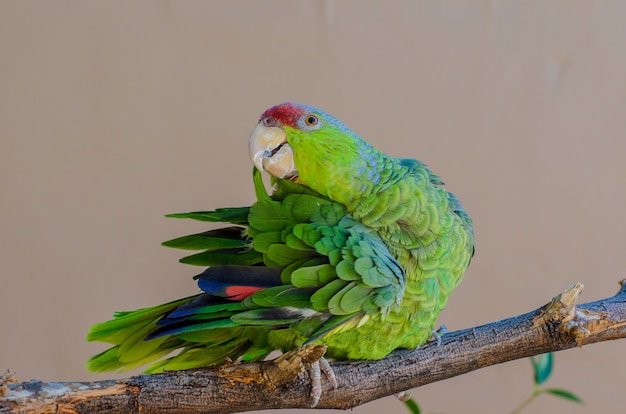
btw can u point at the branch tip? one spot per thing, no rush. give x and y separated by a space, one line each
7 378
561 308
579 324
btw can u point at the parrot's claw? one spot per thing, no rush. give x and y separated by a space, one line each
328 371
438 334
315 371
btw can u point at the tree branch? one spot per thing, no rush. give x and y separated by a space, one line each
556 326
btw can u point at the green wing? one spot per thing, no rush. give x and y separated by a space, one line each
294 261
331 264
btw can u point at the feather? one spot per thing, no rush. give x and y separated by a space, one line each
237 282
274 317
241 256
226 238
234 215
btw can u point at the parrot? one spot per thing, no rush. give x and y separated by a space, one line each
351 249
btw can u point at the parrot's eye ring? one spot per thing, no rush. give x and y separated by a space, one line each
311 121
269 121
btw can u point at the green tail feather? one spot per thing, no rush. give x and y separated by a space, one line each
215 258
125 324
226 238
127 331
234 215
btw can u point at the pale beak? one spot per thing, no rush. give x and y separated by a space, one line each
270 151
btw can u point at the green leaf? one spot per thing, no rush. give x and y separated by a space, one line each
565 394
542 365
412 406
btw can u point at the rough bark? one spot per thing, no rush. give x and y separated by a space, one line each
561 324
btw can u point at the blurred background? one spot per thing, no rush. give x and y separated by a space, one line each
115 113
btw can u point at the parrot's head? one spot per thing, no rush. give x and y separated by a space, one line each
308 146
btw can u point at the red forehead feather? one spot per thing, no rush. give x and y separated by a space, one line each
285 113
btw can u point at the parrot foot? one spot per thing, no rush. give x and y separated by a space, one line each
315 371
438 334
308 358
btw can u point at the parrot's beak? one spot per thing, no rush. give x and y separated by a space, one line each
270 151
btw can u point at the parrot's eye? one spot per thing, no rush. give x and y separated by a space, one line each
269 121
311 121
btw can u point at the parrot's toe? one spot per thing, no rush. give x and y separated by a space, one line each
438 334
328 371
315 371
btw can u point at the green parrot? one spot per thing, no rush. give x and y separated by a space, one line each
354 250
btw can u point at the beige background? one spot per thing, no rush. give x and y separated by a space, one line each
115 113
